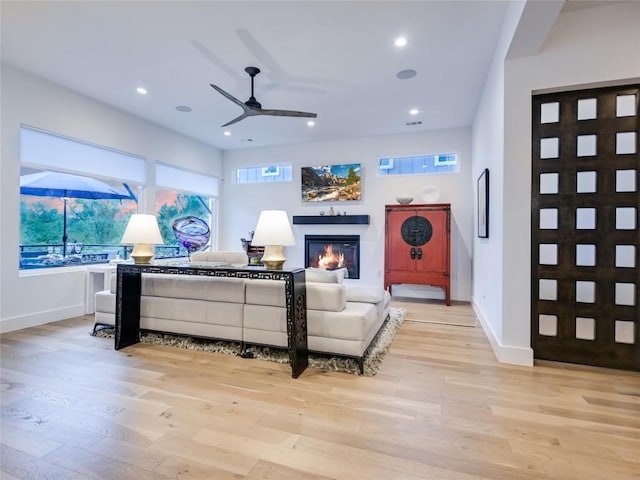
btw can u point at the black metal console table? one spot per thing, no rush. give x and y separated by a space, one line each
129 289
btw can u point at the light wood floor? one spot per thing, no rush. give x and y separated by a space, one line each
441 407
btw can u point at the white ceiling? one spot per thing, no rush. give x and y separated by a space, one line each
336 59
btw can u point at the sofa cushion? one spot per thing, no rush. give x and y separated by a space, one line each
261 317
320 296
265 325
235 258
219 289
192 311
320 275
196 329
265 292
364 294
326 296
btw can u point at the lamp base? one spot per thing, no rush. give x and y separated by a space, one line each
142 253
273 257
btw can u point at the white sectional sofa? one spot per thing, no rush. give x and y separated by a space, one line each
341 319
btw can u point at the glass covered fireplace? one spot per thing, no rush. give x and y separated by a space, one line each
333 251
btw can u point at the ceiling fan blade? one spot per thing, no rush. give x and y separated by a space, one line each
229 96
215 60
285 113
237 119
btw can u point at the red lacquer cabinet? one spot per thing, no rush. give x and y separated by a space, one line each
418 246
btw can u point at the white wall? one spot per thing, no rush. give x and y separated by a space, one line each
31 298
488 152
243 203
590 46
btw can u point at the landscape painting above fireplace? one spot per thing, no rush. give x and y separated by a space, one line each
331 183
332 252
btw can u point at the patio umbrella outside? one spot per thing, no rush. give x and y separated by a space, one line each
65 186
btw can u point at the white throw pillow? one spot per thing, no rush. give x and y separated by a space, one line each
320 275
364 294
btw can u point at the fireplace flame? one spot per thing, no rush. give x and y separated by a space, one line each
330 260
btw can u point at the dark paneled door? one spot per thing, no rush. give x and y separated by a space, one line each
585 241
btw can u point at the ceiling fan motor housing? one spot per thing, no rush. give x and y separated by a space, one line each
252 102
252 71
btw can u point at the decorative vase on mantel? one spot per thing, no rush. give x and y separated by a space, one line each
404 198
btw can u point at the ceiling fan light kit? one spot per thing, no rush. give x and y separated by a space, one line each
252 107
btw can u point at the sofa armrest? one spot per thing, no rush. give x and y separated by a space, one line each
114 283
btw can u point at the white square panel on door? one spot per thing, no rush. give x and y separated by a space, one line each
585 255
586 182
548 254
625 218
625 143
625 105
549 183
587 108
625 180
550 112
585 218
625 256
549 148
586 145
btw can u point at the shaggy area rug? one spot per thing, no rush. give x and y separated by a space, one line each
372 360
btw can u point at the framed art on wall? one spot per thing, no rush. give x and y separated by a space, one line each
483 204
331 183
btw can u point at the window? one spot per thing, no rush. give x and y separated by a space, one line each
172 205
76 223
419 164
60 231
181 193
264 174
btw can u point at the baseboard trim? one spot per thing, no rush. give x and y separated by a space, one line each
504 353
40 318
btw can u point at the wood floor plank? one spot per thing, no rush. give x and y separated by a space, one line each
87 462
273 471
441 407
31 443
24 466
225 459
190 469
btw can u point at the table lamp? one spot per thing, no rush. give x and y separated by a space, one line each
143 232
273 231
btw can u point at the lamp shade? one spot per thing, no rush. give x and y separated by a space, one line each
273 228
142 229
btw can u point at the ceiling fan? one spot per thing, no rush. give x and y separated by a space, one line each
252 107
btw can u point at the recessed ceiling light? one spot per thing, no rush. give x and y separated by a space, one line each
227 133
400 42
141 90
183 108
311 123
414 111
406 74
